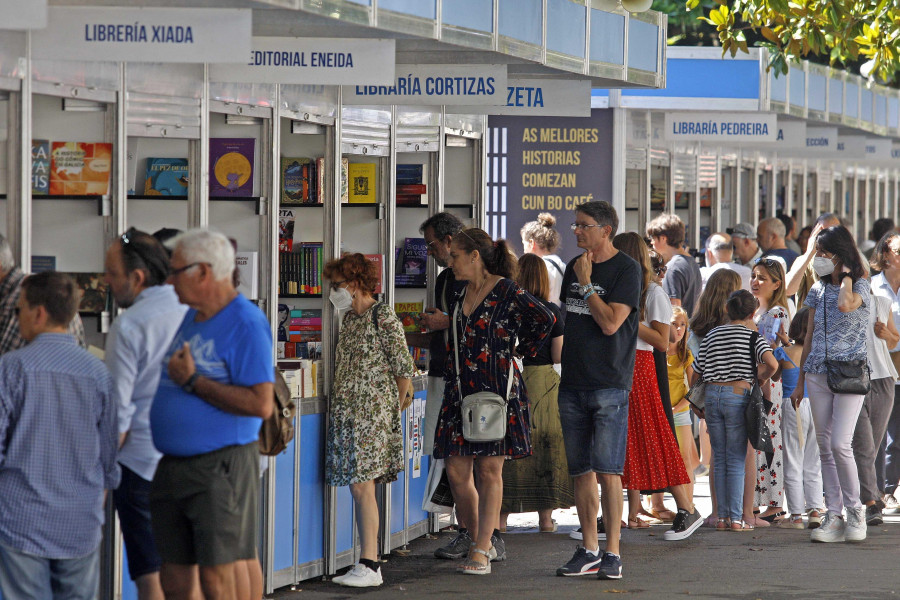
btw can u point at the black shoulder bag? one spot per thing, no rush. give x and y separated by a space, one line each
844 376
756 413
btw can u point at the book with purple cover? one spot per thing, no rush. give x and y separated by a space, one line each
231 166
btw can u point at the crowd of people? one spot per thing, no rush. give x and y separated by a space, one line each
631 369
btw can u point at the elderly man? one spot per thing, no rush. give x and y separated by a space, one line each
137 266
214 391
682 282
718 256
746 250
57 450
770 237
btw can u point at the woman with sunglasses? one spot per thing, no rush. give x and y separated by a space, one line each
765 485
840 303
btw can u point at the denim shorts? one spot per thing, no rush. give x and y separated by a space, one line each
132 499
683 418
595 429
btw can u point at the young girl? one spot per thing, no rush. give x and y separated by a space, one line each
802 467
679 360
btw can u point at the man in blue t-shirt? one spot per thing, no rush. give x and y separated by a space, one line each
215 389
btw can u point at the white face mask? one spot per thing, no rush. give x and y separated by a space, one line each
340 298
823 266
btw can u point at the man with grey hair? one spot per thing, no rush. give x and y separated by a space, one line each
746 250
718 256
215 389
770 237
11 278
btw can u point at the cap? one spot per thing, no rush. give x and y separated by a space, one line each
744 230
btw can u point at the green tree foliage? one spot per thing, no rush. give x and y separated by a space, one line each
845 32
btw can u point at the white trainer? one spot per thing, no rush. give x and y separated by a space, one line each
360 576
855 531
831 529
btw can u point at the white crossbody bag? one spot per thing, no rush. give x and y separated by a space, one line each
483 413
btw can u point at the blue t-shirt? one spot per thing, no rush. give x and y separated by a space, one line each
234 347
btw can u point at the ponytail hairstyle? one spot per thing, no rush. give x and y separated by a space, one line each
634 246
497 257
542 232
741 305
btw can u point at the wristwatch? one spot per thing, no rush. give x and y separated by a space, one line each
844 274
586 289
188 386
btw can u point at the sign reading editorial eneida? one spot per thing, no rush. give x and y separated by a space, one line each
721 127
327 61
435 85
176 35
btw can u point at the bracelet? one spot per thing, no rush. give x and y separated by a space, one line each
590 293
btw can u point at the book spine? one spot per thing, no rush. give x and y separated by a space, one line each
412 189
313 189
320 180
297 321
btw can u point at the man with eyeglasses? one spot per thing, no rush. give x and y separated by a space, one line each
601 291
215 389
137 267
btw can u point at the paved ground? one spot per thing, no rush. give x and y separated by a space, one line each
767 563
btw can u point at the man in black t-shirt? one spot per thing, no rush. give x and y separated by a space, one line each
601 291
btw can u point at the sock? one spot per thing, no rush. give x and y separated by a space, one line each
614 555
463 530
593 552
369 563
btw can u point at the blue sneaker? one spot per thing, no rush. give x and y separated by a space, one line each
610 567
583 563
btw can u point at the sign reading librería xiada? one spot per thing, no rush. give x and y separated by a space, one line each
435 85
177 35
721 127
23 14
329 61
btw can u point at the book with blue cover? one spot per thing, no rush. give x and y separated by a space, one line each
166 177
40 167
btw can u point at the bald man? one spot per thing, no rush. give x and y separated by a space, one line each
770 237
719 254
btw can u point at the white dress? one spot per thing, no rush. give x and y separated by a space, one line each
770 467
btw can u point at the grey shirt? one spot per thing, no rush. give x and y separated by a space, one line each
683 281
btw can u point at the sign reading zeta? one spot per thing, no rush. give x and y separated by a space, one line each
330 61
178 35
541 97
721 127
435 85
23 14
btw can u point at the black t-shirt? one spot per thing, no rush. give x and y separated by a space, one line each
543 356
444 290
592 360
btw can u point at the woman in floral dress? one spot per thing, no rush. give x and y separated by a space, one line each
488 317
372 378
772 322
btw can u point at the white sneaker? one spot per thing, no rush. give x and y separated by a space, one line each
360 576
831 529
855 530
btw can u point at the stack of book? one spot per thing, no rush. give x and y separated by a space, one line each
304 335
411 262
410 188
300 271
303 378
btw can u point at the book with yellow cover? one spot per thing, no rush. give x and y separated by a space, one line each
79 168
409 314
362 183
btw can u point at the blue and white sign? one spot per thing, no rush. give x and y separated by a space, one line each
23 14
895 152
791 135
822 139
435 85
851 146
541 97
721 127
177 35
329 61
878 148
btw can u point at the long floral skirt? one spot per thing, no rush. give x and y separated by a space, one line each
770 467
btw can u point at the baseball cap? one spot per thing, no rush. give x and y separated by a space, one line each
744 230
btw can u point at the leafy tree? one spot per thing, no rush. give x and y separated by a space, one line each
845 32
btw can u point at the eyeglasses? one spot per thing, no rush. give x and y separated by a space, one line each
577 226
336 284
769 262
661 270
179 270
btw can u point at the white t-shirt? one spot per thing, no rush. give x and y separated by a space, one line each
879 359
555 270
744 272
658 308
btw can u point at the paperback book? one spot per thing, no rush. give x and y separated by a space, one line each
40 167
231 166
285 229
166 177
297 180
80 168
362 183
410 314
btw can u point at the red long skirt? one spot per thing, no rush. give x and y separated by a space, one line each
652 458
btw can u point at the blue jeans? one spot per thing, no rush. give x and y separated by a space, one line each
27 576
728 438
595 429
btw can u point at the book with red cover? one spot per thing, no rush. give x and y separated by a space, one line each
378 259
412 188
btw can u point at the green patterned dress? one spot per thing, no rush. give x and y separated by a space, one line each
365 439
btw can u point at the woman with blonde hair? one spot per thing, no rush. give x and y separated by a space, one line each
541 238
652 458
541 482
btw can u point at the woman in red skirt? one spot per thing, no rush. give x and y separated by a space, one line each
652 460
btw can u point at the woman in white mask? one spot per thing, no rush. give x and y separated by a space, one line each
372 385
836 331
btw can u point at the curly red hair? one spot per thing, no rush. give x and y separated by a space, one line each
353 268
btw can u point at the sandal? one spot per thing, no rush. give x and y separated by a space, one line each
710 521
741 526
646 517
472 567
722 524
637 523
758 522
552 528
777 516
665 515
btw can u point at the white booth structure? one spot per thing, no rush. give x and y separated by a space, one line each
81 72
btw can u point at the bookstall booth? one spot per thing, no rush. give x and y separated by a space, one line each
295 165
830 144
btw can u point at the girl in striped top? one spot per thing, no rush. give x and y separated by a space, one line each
729 373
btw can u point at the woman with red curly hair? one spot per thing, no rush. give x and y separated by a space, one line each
372 377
